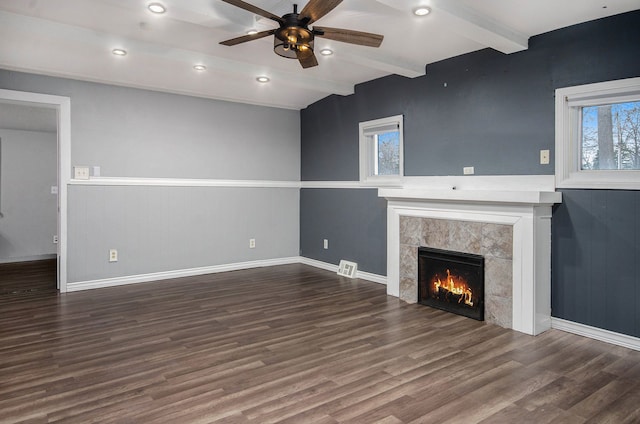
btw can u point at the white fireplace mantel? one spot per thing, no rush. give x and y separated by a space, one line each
527 211
528 197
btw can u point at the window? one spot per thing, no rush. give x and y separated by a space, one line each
381 145
598 135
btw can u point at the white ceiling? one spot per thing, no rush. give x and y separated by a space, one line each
74 38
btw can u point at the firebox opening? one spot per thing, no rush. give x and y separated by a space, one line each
452 281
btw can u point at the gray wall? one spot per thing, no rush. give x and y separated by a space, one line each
172 228
353 221
596 247
139 133
496 113
28 170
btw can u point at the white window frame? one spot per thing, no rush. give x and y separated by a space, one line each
569 100
368 152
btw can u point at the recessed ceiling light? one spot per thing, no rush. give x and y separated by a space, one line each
119 52
421 11
157 8
252 32
199 67
326 52
263 79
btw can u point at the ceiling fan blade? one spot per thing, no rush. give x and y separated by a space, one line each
316 9
349 36
245 38
254 9
306 58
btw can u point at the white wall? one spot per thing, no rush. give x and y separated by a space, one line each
28 170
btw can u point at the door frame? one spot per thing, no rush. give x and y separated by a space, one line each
63 107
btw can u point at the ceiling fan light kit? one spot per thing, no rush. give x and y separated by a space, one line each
291 40
294 39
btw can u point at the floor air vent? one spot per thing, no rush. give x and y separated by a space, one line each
347 269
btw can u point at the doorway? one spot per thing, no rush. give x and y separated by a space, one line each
61 106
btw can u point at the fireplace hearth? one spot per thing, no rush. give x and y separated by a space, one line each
451 281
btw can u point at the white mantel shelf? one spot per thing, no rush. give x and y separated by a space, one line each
528 197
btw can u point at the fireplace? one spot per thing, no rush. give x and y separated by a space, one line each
506 219
451 281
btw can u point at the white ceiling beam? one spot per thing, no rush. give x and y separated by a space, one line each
471 24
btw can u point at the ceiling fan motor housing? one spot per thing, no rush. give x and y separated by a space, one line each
293 39
293 36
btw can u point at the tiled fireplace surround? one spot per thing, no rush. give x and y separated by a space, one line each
511 229
493 241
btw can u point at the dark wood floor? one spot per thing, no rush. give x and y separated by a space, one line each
28 278
292 344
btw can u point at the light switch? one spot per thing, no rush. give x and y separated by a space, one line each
544 157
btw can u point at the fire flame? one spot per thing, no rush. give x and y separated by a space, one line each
458 288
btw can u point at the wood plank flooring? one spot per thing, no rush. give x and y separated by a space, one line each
292 344
28 278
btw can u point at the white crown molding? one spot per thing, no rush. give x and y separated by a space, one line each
334 184
606 336
490 182
448 182
183 182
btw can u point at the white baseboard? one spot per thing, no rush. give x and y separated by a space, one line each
374 278
596 333
28 258
155 276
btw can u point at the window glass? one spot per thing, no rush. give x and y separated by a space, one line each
610 136
388 153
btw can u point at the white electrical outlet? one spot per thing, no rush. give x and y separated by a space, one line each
325 244
252 243
544 157
81 172
55 239
54 189
468 170
113 255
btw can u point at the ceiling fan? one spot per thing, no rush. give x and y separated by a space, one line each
294 39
